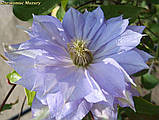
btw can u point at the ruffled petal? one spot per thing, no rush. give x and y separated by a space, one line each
82 109
109 31
60 71
93 21
143 54
114 19
127 101
48 28
131 61
126 41
103 112
23 62
109 77
138 29
55 103
39 110
83 86
56 72
68 109
73 22
31 78
52 49
97 94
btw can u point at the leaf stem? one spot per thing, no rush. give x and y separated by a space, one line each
99 2
21 110
86 3
4 58
6 98
151 66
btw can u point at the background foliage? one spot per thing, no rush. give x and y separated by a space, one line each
140 12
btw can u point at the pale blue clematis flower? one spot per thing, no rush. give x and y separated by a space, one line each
79 64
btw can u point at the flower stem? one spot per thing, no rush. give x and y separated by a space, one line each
6 98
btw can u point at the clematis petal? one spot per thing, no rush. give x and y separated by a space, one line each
58 110
103 112
23 62
143 54
48 28
28 73
83 87
55 103
109 77
55 72
61 71
73 22
93 21
52 49
109 31
115 28
127 101
127 41
69 108
97 93
138 29
40 111
131 61
13 52
83 26
114 19
82 109
131 89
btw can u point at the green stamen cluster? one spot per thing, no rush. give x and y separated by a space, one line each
79 53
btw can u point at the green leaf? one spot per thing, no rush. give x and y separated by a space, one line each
60 13
144 110
64 3
144 107
119 116
154 27
128 11
149 81
147 97
24 12
88 116
155 1
9 106
76 3
157 52
13 77
30 96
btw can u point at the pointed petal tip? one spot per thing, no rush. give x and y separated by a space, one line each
98 10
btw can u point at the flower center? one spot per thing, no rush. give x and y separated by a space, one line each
79 53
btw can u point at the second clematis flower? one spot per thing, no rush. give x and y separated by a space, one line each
82 63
